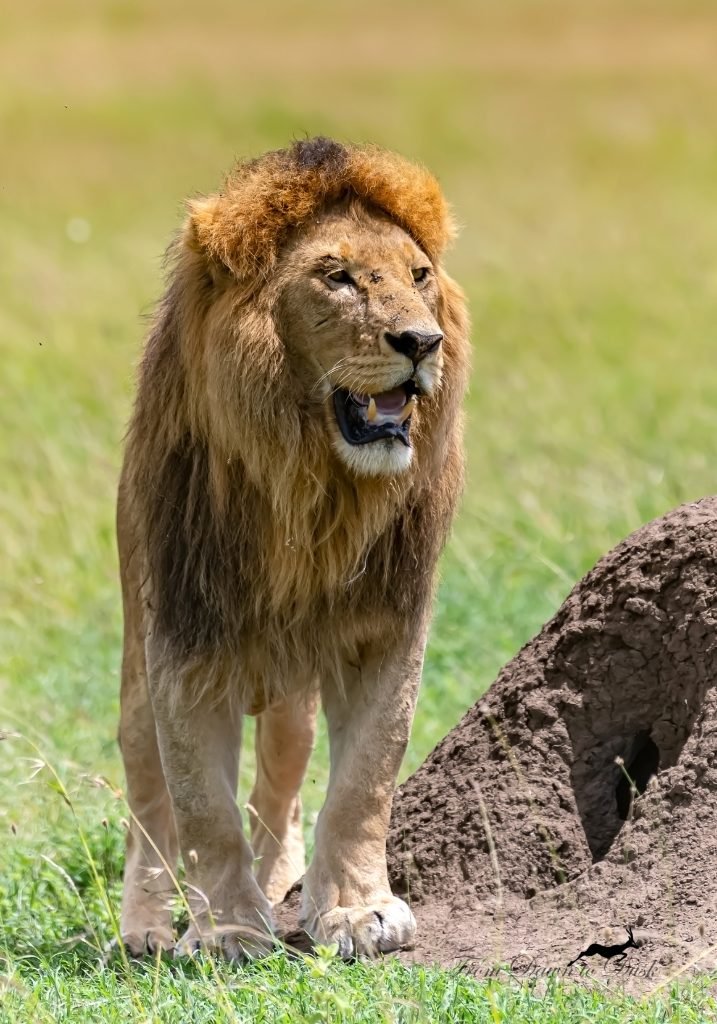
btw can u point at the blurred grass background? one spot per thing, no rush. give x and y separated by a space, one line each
577 143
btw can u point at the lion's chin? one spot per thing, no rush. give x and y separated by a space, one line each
373 436
388 457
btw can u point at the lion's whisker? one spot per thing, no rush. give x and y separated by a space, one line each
329 372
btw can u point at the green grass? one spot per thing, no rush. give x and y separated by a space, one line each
577 144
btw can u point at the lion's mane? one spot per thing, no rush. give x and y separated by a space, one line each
249 539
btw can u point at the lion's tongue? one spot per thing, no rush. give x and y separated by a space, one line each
388 403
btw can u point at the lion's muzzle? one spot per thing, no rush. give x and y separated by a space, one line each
414 344
363 418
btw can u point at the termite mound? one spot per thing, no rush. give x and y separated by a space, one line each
580 792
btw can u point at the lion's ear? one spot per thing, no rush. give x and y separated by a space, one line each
200 236
198 232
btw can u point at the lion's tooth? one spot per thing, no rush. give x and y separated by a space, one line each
407 410
372 410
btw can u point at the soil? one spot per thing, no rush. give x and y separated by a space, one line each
579 796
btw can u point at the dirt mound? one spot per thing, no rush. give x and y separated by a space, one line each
580 794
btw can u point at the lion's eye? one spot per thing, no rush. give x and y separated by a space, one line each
420 274
339 279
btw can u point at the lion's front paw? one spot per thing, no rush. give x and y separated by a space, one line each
149 941
233 941
380 927
146 925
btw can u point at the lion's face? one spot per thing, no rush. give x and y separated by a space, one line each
357 312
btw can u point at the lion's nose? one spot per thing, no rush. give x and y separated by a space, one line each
414 344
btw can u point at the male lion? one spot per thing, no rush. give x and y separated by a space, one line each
292 467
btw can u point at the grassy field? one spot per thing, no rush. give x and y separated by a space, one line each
577 144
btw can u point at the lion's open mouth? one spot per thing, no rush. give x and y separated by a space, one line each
363 418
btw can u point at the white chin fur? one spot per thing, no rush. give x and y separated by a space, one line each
378 458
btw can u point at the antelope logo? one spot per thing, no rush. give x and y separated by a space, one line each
608 952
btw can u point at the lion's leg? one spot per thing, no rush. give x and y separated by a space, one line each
284 741
346 896
152 849
199 743
150 862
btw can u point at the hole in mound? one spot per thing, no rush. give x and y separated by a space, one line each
643 763
605 789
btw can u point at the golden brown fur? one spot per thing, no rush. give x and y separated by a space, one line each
265 562
251 531
263 200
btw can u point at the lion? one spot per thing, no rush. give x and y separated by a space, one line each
292 466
